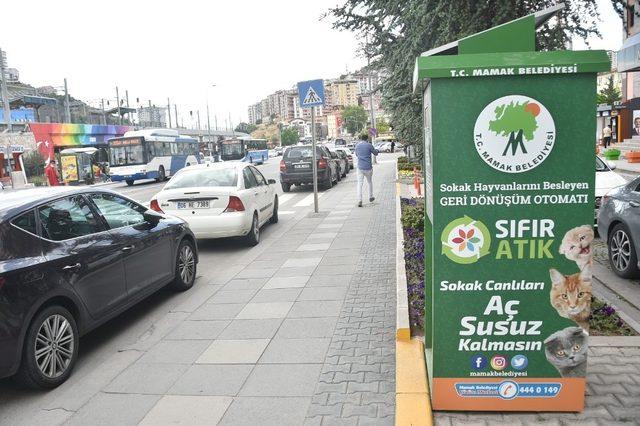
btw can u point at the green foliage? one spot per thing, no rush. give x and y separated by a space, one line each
246 128
403 159
289 136
399 31
604 321
38 180
34 163
408 166
609 94
512 118
355 118
413 216
382 126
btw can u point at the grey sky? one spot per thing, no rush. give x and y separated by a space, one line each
160 49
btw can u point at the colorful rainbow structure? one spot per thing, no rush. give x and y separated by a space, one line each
51 136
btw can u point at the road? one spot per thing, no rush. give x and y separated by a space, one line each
108 350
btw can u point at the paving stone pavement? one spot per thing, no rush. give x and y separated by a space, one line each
297 330
613 396
357 383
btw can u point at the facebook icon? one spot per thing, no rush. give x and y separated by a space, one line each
478 362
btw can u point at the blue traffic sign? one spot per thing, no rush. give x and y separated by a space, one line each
311 93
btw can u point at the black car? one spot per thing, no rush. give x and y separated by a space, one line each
71 259
296 167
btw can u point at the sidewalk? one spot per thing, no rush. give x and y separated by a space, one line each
297 330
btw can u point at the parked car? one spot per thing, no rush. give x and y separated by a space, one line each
341 165
231 199
279 151
349 156
343 161
606 179
72 258
619 226
295 167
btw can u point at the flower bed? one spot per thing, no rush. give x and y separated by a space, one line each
604 320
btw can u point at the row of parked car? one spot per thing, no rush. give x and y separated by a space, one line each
296 166
72 258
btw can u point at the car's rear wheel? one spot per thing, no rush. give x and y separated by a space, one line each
50 349
186 267
622 254
286 187
129 182
274 216
253 237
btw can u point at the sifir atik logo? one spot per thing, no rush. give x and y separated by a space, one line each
514 134
478 362
465 240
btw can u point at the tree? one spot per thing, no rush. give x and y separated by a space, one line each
246 127
289 136
34 163
399 31
354 118
609 94
382 126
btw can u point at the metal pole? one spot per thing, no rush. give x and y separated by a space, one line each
198 114
67 112
233 131
215 121
150 115
118 102
104 117
169 111
5 94
175 106
315 163
208 122
126 95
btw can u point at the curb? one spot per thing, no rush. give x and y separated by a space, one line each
413 406
403 329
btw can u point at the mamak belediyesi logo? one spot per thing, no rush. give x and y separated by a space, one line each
465 240
514 134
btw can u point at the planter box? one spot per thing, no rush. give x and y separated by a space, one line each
611 154
633 156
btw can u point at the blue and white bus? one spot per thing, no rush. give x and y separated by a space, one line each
150 154
244 149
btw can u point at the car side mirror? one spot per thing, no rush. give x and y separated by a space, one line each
271 181
611 165
152 217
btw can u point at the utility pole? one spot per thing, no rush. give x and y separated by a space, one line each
126 95
67 111
175 106
233 131
215 118
118 102
150 115
208 122
5 94
104 117
169 112
198 113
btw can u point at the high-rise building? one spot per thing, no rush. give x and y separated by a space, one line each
341 93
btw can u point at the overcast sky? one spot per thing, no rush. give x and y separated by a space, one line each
178 49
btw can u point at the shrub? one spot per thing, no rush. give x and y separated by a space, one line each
605 321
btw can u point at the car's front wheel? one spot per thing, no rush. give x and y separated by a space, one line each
622 254
50 349
186 267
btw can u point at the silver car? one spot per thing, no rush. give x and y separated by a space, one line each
619 226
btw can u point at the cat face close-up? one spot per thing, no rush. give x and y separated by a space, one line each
576 244
571 294
567 349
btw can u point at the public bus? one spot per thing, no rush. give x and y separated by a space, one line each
150 154
244 149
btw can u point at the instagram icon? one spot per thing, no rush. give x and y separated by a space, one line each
499 362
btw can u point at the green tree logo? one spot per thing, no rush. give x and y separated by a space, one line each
518 121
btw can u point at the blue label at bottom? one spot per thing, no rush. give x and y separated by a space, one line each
508 389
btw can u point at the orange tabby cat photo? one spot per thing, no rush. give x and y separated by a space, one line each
571 295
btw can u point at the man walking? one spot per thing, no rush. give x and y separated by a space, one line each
606 136
364 150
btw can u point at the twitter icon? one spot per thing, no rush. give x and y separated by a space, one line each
519 362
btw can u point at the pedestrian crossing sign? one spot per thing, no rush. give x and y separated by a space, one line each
311 93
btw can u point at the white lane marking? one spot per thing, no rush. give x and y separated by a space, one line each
285 197
307 201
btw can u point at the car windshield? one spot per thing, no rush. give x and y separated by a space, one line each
204 177
601 166
299 152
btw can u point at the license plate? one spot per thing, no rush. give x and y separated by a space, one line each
301 166
192 205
